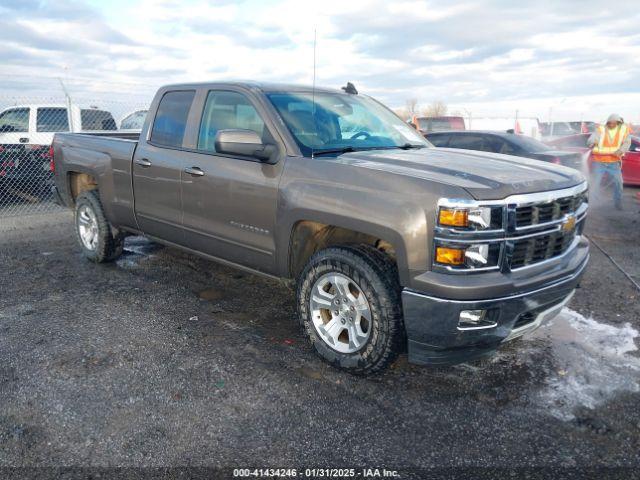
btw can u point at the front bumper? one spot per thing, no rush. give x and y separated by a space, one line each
432 322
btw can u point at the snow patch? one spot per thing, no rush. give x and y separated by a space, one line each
593 362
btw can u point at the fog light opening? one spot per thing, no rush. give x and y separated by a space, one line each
475 320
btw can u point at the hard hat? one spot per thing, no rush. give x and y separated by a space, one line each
614 117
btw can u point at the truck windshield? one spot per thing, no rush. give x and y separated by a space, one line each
334 122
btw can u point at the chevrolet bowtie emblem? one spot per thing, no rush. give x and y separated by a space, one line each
569 223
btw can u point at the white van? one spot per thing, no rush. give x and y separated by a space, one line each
26 133
36 124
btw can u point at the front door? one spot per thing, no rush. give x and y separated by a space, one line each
14 137
229 203
157 169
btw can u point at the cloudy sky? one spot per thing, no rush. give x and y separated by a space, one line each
570 59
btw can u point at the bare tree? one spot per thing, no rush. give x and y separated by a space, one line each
412 106
436 109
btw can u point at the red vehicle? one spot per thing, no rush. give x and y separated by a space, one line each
437 124
630 161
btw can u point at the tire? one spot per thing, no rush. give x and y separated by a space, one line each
93 230
370 344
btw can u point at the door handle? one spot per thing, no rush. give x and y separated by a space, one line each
24 140
194 171
143 162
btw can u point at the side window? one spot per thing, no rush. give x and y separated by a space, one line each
468 142
171 118
227 111
14 120
439 140
52 120
497 145
92 119
508 148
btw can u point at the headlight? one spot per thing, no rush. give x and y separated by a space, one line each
471 218
477 255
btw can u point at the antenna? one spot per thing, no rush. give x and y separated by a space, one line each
313 87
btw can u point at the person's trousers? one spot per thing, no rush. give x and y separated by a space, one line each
614 172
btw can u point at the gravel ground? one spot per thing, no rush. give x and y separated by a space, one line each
163 359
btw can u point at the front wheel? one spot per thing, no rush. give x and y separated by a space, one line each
350 307
93 230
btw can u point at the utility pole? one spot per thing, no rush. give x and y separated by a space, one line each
68 101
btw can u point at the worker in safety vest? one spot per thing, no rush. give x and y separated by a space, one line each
609 143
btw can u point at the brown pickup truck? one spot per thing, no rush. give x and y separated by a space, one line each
393 244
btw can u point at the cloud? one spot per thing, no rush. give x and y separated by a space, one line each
469 54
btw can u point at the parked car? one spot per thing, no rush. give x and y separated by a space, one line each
528 126
133 120
630 161
392 244
437 124
507 144
26 133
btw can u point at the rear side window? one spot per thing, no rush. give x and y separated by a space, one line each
14 120
439 140
227 111
171 118
52 120
92 119
469 142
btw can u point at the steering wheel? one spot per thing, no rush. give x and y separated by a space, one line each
364 135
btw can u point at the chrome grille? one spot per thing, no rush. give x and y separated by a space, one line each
541 213
528 251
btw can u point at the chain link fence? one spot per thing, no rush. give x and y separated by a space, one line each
28 125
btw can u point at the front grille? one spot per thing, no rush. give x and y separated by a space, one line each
532 250
540 213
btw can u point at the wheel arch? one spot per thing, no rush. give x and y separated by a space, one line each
311 232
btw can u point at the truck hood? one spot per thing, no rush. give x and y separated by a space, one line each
486 176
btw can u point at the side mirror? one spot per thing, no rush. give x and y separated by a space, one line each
244 142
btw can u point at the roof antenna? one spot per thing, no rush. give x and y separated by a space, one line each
350 88
313 88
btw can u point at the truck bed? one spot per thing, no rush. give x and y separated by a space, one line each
107 157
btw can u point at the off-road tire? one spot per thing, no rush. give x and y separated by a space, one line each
376 275
109 246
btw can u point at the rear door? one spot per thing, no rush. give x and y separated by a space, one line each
230 201
157 169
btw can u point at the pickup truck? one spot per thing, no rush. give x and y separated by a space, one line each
393 245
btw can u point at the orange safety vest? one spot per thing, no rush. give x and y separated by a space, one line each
609 144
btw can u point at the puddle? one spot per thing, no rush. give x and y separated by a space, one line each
136 249
592 363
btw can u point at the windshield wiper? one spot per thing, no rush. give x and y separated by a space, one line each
349 148
409 146
339 151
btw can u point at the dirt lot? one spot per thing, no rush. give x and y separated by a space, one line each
164 359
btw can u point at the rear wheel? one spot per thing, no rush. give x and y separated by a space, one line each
93 230
350 307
